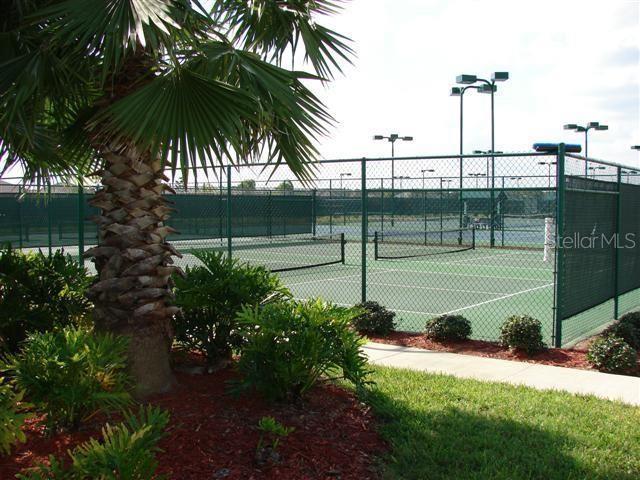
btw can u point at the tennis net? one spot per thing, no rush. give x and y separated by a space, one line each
398 245
283 254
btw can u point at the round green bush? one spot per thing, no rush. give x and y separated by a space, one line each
633 319
625 331
448 328
612 354
374 319
522 332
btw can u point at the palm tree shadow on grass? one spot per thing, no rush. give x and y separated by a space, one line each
454 444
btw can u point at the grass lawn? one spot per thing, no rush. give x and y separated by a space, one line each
441 427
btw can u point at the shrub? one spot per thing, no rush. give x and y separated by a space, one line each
125 452
625 331
39 292
522 332
290 346
633 319
448 328
71 374
611 354
10 418
374 319
211 296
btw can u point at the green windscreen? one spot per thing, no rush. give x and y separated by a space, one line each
629 253
587 246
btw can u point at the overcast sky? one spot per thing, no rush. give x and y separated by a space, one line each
570 61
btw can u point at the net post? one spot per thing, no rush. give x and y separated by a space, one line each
80 222
364 229
558 277
229 242
49 219
343 243
616 264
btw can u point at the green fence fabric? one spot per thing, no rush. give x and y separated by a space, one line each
470 235
588 276
629 261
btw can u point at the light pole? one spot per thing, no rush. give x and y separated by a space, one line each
579 128
392 138
344 197
477 176
549 165
485 87
425 170
517 179
593 169
486 152
343 175
400 177
628 173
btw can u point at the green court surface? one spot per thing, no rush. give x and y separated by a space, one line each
485 285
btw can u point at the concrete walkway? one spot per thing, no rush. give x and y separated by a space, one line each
544 377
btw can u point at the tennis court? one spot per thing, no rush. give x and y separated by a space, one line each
485 285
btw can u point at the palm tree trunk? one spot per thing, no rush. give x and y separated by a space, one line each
132 294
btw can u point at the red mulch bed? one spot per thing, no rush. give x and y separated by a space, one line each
213 435
560 357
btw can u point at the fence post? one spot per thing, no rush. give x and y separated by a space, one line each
330 208
382 204
558 274
80 222
492 219
21 197
49 219
229 231
616 264
364 229
314 212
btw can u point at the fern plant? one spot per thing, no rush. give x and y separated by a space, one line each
11 419
291 346
38 293
211 295
72 374
125 452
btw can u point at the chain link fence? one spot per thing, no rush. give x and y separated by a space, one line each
484 236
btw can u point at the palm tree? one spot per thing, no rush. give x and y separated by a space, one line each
129 90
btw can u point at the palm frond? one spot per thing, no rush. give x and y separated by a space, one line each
270 28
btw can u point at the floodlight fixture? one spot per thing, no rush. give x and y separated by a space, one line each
593 124
499 76
635 147
602 127
407 139
466 79
570 126
455 92
488 88
378 137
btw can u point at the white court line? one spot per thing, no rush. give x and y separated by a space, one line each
417 287
334 279
461 274
498 299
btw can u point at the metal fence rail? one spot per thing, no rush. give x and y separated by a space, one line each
441 236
